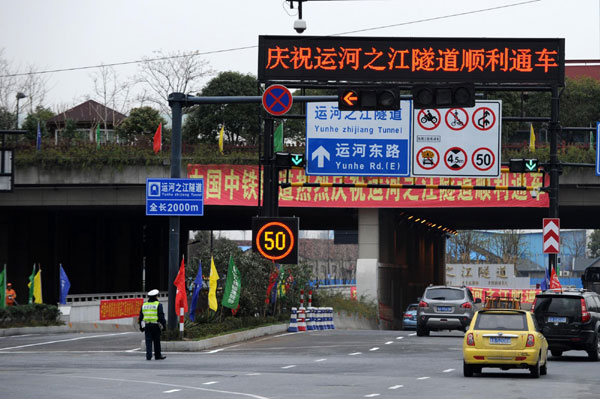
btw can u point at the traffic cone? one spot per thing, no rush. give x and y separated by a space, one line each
293 325
310 318
331 324
301 319
320 319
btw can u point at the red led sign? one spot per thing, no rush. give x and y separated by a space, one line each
361 59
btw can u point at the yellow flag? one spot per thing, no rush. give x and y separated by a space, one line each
37 287
531 139
221 139
212 286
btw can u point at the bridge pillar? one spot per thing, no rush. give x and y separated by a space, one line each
368 253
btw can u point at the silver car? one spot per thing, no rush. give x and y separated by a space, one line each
445 308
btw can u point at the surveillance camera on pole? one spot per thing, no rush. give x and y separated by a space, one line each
299 25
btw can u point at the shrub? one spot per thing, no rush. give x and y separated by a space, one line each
339 302
32 315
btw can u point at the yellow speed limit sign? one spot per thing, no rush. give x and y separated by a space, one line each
276 238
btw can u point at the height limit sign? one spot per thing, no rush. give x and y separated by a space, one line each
457 142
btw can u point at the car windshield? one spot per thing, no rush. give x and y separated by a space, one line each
564 306
412 307
501 321
445 294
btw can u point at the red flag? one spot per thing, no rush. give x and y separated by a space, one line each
554 282
272 281
158 139
181 296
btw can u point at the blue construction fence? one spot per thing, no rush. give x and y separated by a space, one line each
335 281
564 281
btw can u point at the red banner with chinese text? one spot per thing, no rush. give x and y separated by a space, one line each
237 185
525 295
120 308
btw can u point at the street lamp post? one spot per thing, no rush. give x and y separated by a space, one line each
19 96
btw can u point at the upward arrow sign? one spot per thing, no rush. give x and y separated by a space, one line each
320 153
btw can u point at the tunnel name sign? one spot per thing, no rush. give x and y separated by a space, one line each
174 197
397 59
276 238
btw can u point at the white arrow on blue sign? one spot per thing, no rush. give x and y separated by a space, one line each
357 143
174 197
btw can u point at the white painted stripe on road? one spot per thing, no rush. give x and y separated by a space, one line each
210 382
63 340
249 395
354 353
252 374
282 335
396 386
372 395
412 335
423 378
389 342
448 370
17 336
289 367
133 350
320 360
374 349
172 390
399 337
215 351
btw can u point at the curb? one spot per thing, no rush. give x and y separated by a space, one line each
70 327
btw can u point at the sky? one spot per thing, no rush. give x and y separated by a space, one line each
65 34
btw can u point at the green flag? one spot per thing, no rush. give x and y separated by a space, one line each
31 285
98 136
3 288
278 139
233 286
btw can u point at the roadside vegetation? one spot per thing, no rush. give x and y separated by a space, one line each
31 315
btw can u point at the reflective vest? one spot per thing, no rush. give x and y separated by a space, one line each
150 312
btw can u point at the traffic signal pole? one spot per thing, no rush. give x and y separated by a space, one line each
554 129
270 200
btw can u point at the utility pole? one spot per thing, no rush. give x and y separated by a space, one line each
554 130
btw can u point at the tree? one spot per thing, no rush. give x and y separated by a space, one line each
164 74
7 119
461 246
141 121
508 245
111 93
241 121
594 244
30 124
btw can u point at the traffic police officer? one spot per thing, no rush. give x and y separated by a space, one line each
153 316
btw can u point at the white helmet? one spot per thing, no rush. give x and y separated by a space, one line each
153 293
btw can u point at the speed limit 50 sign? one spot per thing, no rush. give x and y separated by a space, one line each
457 142
276 238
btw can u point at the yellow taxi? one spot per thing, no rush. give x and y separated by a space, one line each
505 339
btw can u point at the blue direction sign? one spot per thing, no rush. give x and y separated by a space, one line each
357 143
174 197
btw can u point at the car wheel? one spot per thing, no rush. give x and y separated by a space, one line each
467 370
544 368
535 370
556 353
594 350
422 331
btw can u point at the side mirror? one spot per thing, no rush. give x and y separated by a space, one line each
477 300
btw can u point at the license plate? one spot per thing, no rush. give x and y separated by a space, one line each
552 319
444 308
499 341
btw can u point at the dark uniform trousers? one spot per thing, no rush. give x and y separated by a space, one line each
152 335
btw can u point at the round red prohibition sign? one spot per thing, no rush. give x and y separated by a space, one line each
428 120
277 100
455 158
428 158
272 243
483 159
484 118
457 118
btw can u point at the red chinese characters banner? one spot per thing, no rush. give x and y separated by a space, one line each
120 308
525 295
238 185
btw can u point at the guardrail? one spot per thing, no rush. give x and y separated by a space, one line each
73 299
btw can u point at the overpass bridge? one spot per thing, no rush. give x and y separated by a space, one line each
94 221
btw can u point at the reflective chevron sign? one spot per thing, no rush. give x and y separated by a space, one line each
551 235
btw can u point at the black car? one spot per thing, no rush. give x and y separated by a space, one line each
570 320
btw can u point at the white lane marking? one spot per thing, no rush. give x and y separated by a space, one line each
251 374
448 370
17 336
282 335
423 378
172 390
374 349
412 335
289 367
63 340
215 350
354 353
372 395
389 342
320 360
399 337
210 382
249 395
133 350
396 386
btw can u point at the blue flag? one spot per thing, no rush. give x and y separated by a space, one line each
545 281
196 294
38 144
65 285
